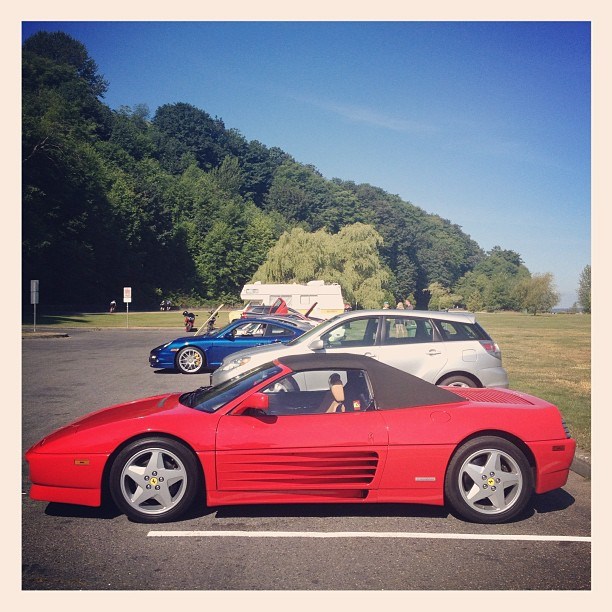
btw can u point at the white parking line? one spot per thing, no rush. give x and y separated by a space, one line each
362 534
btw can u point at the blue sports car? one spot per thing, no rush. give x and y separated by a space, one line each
193 354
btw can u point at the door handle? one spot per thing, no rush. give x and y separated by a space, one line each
368 354
434 352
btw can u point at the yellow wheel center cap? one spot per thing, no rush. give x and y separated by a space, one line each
153 481
491 482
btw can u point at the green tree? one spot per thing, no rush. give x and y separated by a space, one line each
492 282
186 132
349 258
67 226
584 289
441 298
538 293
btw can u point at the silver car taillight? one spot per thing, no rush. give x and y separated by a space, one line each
491 348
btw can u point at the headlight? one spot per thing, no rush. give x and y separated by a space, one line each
236 363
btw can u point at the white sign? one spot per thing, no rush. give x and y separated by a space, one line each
127 294
34 292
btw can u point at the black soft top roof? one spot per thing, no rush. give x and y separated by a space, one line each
393 388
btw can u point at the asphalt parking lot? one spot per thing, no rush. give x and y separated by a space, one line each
278 548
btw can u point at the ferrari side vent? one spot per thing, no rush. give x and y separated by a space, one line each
300 470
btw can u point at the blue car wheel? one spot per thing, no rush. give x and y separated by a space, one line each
190 360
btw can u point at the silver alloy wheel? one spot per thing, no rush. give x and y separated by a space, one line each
153 481
190 360
458 383
490 481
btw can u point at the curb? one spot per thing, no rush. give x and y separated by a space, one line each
581 464
44 335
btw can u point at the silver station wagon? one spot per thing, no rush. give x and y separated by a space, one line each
444 348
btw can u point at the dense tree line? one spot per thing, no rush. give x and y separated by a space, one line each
178 205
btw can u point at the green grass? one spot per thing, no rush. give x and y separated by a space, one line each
171 319
547 355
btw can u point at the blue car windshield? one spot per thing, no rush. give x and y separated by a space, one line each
210 399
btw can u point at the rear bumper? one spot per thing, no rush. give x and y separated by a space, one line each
494 377
553 461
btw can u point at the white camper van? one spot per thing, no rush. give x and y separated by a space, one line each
328 298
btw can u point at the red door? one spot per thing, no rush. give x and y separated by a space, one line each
313 454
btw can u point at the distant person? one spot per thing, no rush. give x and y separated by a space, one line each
386 306
347 307
113 306
400 305
408 305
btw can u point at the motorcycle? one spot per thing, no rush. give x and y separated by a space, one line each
210 324
189 320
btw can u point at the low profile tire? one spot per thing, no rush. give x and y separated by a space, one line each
190 360
154 480
488 480
457 381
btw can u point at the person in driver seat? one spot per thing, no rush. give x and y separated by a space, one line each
337 392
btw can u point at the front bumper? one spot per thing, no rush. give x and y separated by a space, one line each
161 360
66 478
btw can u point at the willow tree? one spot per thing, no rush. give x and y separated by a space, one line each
350 258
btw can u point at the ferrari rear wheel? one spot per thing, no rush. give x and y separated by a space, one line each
489 480
154 480
190 360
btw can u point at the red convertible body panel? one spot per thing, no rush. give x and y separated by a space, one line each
399 452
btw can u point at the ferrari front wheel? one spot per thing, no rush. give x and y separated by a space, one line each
488 480
154 480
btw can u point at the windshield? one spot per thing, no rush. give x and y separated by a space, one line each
210 399
314 331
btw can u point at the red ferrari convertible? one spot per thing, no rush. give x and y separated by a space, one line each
317 429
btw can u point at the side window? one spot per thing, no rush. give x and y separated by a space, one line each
250 329
320 392
356 332
406 330
456 331
276 330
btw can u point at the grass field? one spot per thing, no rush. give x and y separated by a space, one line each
547 355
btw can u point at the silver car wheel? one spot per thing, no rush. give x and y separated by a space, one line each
153 481
190 360
490 481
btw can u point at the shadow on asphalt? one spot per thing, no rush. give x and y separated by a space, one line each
106 511
555 501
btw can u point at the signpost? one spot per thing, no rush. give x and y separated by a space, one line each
34 295
127 298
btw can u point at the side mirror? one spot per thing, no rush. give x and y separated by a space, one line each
316 345
257 401
230 335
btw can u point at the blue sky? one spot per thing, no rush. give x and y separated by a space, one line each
486 124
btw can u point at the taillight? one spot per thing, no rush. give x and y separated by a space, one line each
491 348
